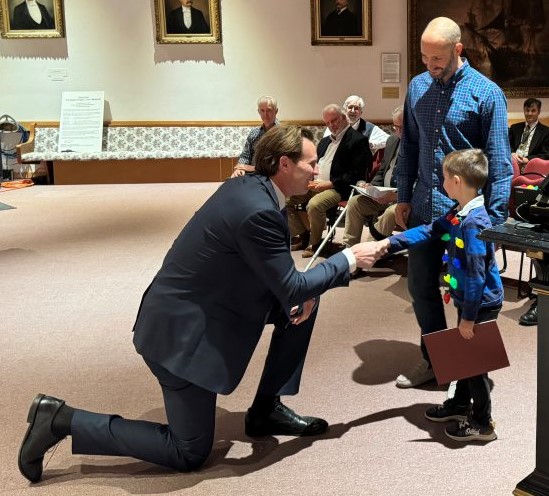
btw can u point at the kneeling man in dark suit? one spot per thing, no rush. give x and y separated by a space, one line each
197 334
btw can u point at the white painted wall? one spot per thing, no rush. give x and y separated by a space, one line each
110 46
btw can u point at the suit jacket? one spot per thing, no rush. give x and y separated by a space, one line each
344 24
227 272
23 20
391 149
352 161
539 146
176 25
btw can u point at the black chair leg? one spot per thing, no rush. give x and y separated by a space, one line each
504 255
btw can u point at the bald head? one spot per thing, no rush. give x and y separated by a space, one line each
441 48
442 30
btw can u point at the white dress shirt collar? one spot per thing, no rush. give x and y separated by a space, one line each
474 203
279 196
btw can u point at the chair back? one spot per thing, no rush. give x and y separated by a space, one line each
516 167
537 165
535 171
376 164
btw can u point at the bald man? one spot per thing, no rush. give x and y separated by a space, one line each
449 107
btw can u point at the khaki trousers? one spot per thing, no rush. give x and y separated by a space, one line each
359 208
316 206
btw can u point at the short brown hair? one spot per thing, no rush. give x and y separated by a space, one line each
277 142
471 165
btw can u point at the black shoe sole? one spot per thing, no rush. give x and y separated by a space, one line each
305 433
31 417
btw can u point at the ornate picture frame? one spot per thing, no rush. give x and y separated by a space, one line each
18 21
201 25
505 41
341 22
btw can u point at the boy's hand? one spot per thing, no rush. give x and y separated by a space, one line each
466 329
367 254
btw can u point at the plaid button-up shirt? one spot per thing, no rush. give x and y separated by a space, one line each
469 111
247 154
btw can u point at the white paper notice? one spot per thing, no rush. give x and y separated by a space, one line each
81 128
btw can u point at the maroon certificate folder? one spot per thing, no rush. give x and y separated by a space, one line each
453 357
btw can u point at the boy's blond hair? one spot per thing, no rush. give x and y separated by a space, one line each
471 165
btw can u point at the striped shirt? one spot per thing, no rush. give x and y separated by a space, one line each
469 111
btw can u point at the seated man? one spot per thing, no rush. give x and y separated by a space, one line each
529 139
354 108
360 207
267 109
343 159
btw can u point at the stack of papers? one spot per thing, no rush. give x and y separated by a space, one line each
374 191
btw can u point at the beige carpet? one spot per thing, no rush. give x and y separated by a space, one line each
74 261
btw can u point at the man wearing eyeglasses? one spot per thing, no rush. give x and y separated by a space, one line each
354 108
529 139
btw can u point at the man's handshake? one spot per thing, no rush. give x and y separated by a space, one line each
367 254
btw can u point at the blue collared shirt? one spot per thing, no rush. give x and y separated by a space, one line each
469 111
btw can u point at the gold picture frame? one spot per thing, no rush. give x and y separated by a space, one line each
352 25
204 21
18 22
507 49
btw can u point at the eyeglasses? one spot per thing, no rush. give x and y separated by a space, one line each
354 107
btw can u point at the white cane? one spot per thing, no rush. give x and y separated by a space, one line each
330 232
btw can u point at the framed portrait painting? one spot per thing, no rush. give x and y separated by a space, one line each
38 19
341 22
506 40
188 21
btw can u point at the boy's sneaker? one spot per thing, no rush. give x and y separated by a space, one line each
417 375
447 411
469 430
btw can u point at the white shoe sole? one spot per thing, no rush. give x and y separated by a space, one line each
478 437
405 383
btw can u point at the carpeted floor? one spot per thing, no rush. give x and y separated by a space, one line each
74 261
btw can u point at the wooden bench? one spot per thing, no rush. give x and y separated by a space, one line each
145 152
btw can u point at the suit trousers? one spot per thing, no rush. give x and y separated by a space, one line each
317 204
185 442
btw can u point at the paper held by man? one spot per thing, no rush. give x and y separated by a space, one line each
374 191
454 357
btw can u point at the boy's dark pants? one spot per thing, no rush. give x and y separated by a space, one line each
477 388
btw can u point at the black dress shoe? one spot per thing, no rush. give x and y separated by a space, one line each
284 422
530 318
39 437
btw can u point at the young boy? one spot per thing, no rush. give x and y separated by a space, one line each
474 284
